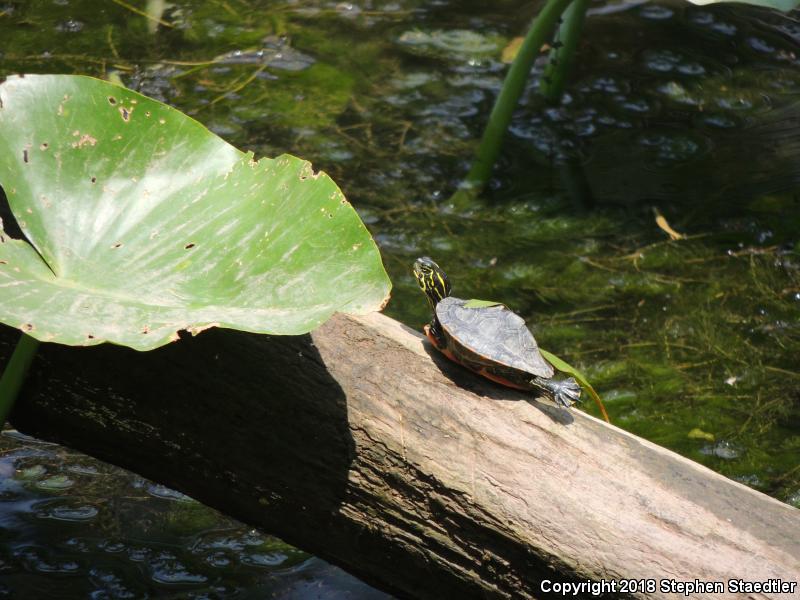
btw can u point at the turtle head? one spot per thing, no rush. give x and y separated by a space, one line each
432 280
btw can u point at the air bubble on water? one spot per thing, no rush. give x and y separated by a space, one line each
691 68
111 547
656 12
174 572
56 482
70 26
77 514
701 18
218 559
760 45
720 121
162 491
138 554
722 449
272 559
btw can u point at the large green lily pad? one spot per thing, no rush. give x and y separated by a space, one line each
144 223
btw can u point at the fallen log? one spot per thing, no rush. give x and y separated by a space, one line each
359 444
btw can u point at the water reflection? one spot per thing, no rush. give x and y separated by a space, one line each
110 534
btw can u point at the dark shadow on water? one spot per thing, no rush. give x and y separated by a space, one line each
464 378
252 425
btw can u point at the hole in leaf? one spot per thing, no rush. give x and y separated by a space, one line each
94 179
90 336
112 100
117 245
25 156
189 246
126 115
28 327
44 146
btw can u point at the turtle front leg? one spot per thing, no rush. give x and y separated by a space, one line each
439 342
564 392
433 331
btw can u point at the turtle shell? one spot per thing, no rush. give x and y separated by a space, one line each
494 333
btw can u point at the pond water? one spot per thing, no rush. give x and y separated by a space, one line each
676 112
74 527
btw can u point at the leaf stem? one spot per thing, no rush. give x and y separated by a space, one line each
596 397
563 366
512 89
15 372
561 58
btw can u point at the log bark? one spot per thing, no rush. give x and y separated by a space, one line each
360 444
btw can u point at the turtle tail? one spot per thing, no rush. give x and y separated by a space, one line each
565 392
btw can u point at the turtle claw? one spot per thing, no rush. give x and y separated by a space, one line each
566 392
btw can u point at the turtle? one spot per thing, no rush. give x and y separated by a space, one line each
489 339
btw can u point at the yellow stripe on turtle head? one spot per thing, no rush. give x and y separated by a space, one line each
431 279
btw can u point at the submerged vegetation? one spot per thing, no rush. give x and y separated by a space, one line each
687 113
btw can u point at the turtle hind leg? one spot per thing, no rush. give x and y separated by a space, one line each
564 392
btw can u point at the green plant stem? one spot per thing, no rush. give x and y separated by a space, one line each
14 374
561 59
514 84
